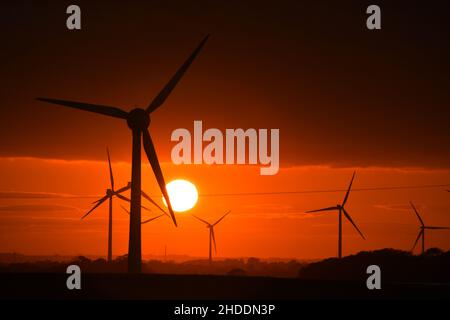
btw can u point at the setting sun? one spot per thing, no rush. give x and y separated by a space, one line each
183 195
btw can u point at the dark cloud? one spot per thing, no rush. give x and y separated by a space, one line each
340 94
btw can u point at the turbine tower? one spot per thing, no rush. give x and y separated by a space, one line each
423 227
110 193
341 210
212 238
138 121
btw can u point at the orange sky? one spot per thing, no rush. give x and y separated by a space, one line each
343 97
263 226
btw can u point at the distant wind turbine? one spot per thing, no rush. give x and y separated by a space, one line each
340 208
212 238
110 193
423 227
138 121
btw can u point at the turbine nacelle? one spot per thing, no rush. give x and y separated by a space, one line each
138 119
109 192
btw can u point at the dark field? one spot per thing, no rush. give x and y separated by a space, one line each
403 276
193 287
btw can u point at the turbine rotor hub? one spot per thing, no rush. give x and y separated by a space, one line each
138 119
109 192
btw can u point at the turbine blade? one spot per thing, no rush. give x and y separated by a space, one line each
98 200
126 210
96 206
221 218
165 92
105 110
111 177
128 200
123 189
417 240
348 190
146 196
353 223
122 197
324 209
417 214
204 221
151 219
438 228
214 240
153 159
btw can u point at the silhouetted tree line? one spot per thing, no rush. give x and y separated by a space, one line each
234 267
396 266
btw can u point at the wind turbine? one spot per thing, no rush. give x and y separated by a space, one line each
138 121
212 238
110 193
340 208
423 227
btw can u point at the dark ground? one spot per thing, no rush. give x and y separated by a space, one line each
403 276
193 287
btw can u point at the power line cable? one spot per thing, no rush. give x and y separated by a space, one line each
322 191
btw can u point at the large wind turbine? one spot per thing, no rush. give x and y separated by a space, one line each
138 121
423 227
212 238
340 208
110 193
